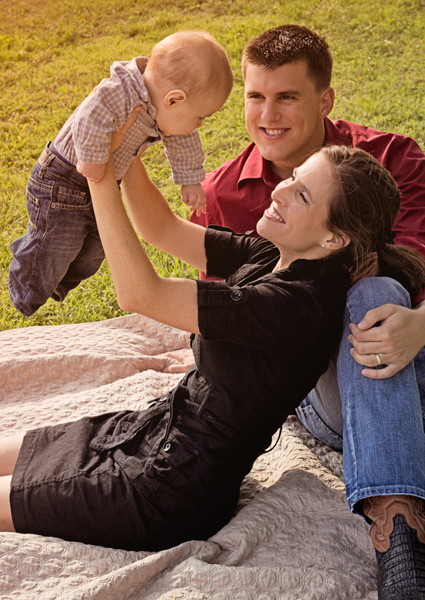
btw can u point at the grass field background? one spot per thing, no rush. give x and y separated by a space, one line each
53 53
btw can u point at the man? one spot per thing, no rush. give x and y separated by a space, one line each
287 75
285 130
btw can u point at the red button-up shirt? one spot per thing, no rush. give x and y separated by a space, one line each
239 191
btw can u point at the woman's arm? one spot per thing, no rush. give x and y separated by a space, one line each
138 287
155 221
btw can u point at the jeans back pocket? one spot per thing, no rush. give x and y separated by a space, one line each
72 199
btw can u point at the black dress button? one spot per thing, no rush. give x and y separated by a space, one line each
236 295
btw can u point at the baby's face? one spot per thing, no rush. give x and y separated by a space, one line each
183 117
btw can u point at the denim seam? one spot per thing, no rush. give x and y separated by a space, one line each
48 188
349 431
388 490
35 209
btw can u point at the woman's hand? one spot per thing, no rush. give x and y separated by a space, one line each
397 339
183 358
93 172
117 136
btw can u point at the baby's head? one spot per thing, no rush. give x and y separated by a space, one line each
188 77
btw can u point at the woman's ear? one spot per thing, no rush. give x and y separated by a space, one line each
174 97
336 241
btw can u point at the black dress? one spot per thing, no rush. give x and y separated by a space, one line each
152 479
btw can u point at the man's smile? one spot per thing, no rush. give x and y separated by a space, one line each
269 132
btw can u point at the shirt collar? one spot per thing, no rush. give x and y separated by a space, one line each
137 67
256 167
333 135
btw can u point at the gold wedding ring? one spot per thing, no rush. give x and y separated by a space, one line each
379 359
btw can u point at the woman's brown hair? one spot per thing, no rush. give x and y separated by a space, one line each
364 207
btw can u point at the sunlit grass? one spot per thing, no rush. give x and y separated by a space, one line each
52 54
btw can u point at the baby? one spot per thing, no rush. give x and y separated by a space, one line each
185 80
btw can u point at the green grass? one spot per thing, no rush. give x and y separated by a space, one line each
53 53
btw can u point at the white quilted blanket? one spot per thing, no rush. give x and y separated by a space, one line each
293 537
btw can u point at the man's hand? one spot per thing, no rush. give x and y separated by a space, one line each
194 196
397 338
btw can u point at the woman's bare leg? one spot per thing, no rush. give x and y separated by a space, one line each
6 523
9 450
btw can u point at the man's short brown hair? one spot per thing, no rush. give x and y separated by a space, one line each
288 44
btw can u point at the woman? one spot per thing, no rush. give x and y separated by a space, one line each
152 479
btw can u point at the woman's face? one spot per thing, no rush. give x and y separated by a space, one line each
295 220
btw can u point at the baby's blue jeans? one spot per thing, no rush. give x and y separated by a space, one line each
61 246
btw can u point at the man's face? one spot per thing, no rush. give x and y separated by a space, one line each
284 114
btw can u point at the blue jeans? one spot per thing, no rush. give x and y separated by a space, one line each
61 246
379 424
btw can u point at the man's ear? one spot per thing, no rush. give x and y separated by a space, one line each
327 102
174 97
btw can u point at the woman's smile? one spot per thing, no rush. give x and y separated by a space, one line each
272 214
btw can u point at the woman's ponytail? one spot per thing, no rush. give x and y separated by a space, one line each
364 208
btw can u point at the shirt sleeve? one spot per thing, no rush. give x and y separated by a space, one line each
271 315
407 165
270 312
103 113
227 251
186 157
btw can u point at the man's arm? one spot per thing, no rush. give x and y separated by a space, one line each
397 339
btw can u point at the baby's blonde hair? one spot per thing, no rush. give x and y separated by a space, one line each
194 62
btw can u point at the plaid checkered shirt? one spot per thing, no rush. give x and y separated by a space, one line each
86 135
